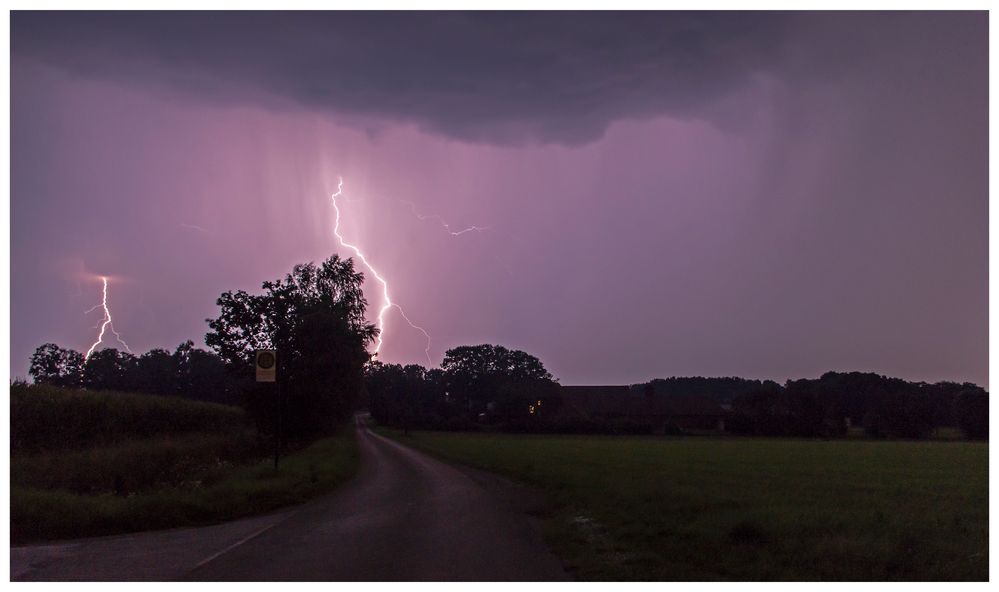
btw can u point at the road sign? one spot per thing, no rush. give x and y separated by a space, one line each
266 365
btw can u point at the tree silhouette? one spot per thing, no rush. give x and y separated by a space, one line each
314 318
156 373
111 369
972 411
480 375
51 364
189 372
202 375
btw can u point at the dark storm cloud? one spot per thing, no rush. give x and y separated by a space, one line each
493 77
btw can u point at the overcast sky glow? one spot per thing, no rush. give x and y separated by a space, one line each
765 195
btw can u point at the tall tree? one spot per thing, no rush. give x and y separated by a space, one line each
314 318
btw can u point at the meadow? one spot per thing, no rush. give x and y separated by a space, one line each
88 464
697 508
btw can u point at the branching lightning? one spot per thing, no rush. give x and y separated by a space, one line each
106 324
386 299
442 222
447 228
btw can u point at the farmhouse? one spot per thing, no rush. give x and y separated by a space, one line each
611 403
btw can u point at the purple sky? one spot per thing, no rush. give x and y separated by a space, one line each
768 196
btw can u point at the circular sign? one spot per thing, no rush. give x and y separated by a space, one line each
265 360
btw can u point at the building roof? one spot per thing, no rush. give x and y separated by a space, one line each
622 401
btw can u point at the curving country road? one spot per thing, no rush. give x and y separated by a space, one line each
404 517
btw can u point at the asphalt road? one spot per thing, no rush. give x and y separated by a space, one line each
404 517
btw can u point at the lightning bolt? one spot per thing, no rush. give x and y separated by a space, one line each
386 299
447 228
443 223
107 324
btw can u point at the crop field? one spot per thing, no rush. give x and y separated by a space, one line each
738 508
46 418
98 463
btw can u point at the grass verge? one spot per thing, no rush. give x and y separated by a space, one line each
39 514
645 508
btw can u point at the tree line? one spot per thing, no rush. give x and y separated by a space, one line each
471 392
188 372
882 406
315 318
475 383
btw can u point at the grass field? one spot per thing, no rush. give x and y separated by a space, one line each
51 513
747 509
89 463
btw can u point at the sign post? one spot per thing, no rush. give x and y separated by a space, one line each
266 366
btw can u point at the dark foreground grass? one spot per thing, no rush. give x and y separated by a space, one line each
44 513
137 466
748 509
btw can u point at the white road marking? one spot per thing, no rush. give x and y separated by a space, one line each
241 541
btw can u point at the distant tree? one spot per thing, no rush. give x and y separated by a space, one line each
506 385
942 398
800 408
111 369
972 411
387 386
314 318
202 375
407 396
480 375
531 399
51 364
895 408
886 407
760 412
189 372
156 373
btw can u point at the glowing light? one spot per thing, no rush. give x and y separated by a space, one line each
106 324
444 224
386 299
